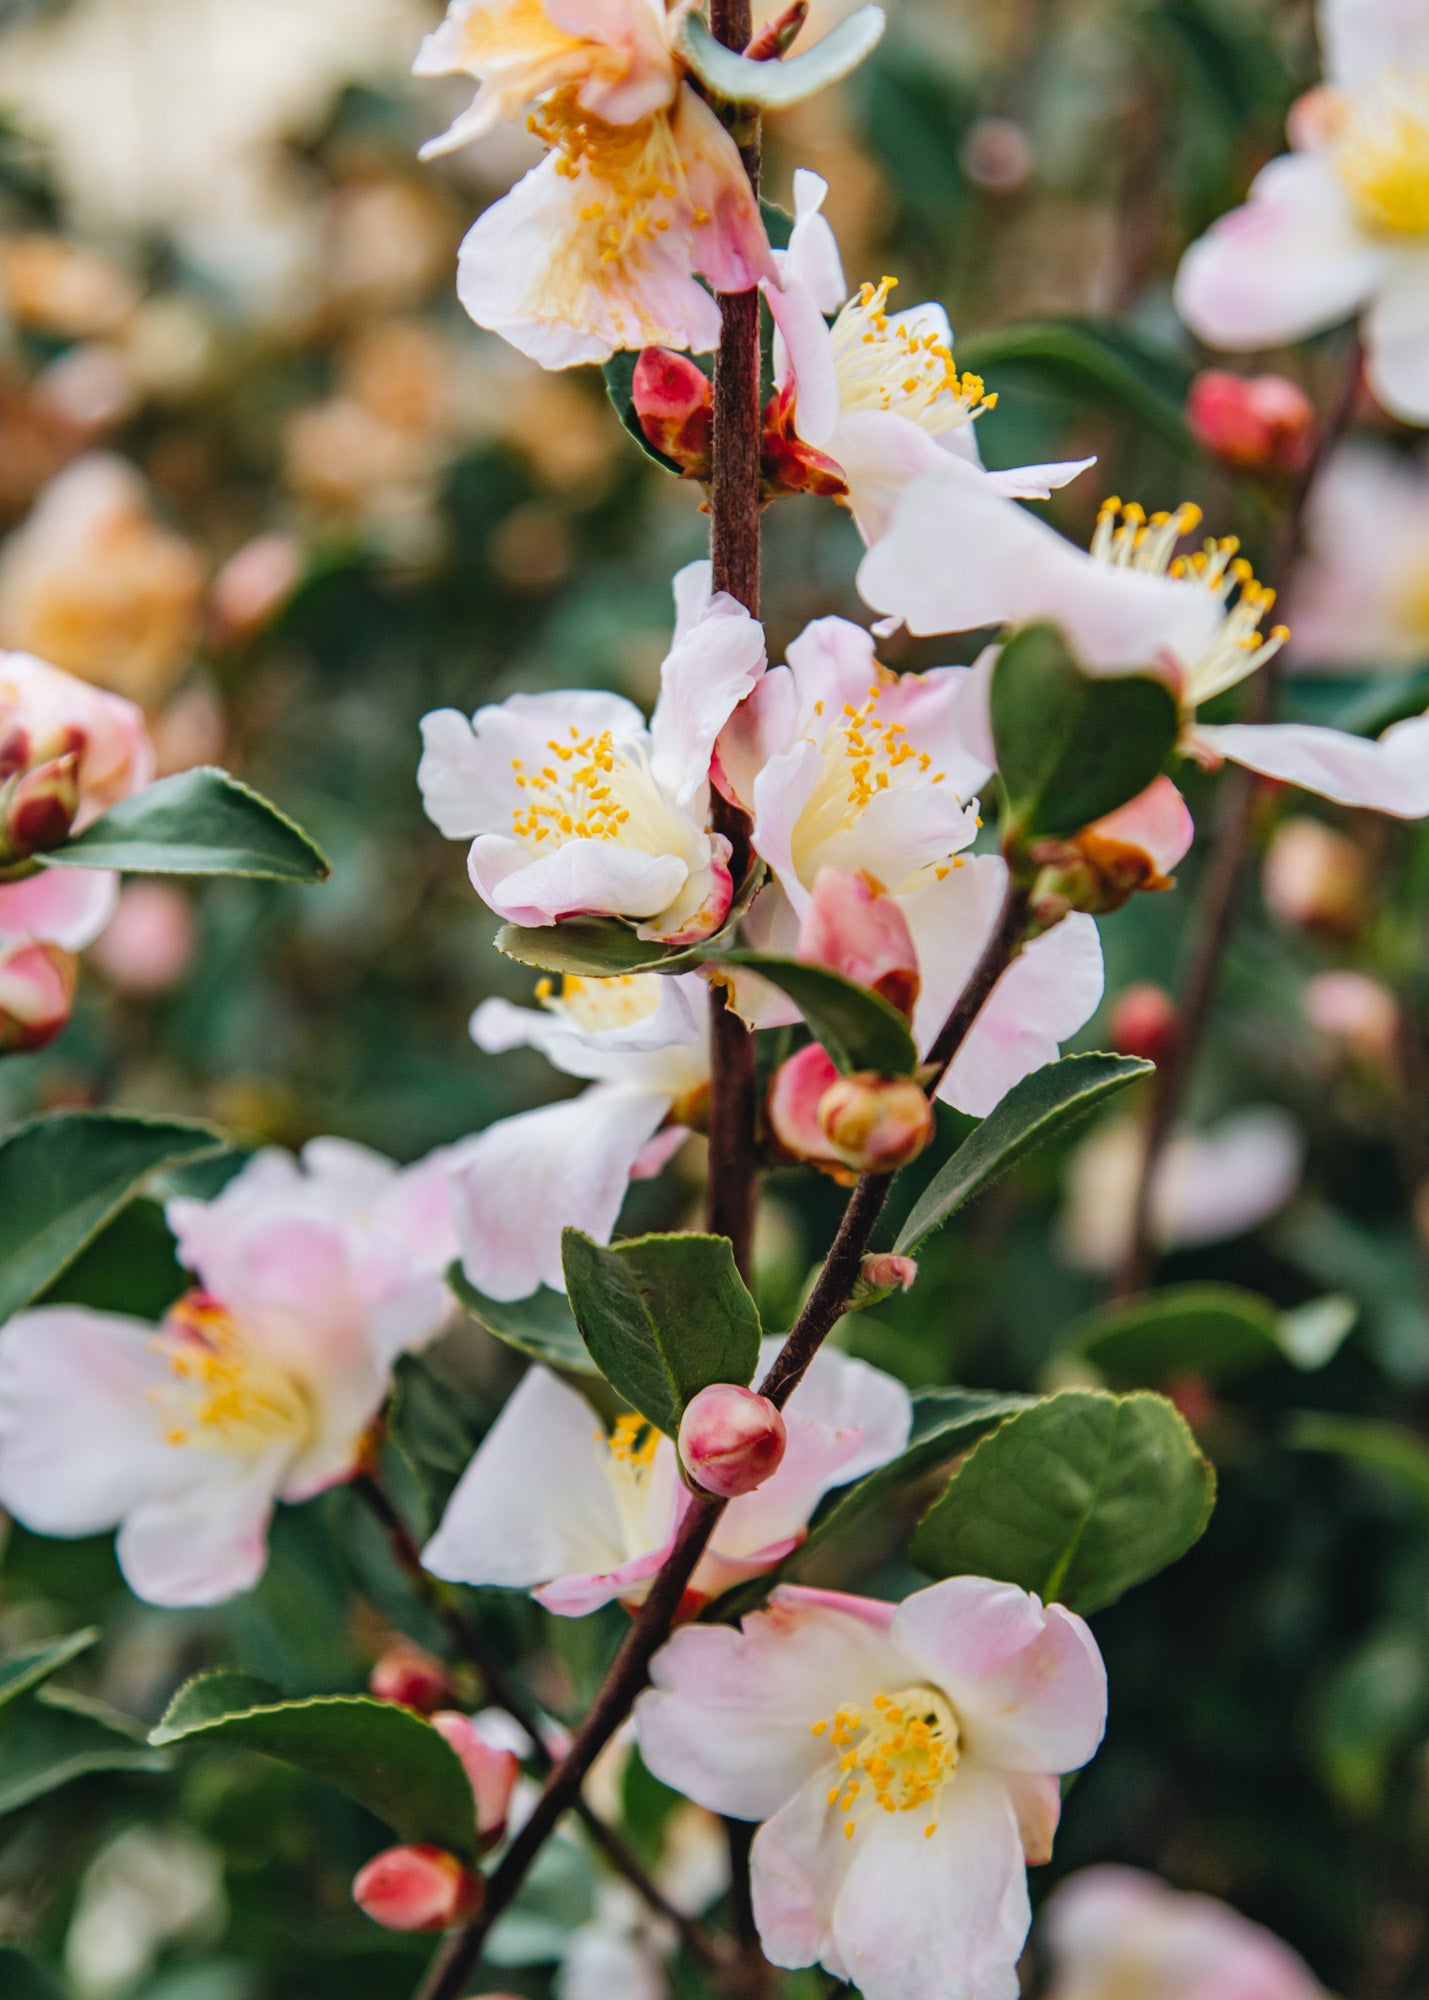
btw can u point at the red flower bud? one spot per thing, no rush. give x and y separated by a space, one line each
674 401
856 929
731 1439
493 1773
884 1270
875 1124
786 463
1144 1023
1264 423
417 1889
41 807
36 993
410 1678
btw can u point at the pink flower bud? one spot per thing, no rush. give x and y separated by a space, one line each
255 583
1355 1011
1314 879
36 993
1264 423
148 942
854 928
493 1773
731 1439
875 1124
884 1270
410 1678
997 155
41 807
417 1889
674 401
794 1098
1144 1022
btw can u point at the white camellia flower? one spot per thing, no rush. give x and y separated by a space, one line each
878 392
575 808
553 1505
958 557
1340 225
1359 602
904 1761
260 1386
599 246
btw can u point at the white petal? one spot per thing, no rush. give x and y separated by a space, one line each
1223 1182
451 776
1360 38
206 1542
582 878
711 667
1388 776
1038 482
813 253
804 352
534 1503
797 1867
880 454
1396 335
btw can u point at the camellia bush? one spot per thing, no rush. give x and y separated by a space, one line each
490 1574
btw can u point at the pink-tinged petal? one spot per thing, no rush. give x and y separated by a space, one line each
713 664
798 1863
762 725
207 1541
956 556
730 247
58 713
526 1178
946 1913
1396 336
1291 261
1026 1680
781 791
1037 1801
81 1436
728 1718
535 1502
1352 602
63 906
577 1595
855 929
1157 822
1388 776
582 878
795 1094
654 1157
1038 482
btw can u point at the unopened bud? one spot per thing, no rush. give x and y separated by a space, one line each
1315 879
885 1271
1144 1022
875 1124
997 155
1355 1011
787 464
36 993
779 36
674 401
854 928
1263 423
731 1439
417 1889
493 1773
40 809
410 1678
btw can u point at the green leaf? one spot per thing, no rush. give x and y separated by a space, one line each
773 85
663 1316
541 1325
385 1757
25 1670
1371 1710
1048 1103
1104 365
1073 746
22 1979
200 822
1393 1451
1218 1331
64 1176
1077 1498
859 1028
603 948
51 1736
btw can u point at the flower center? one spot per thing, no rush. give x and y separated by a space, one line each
1381 150
886 364
596 1005
593 789
898 1752
521 31
864 755
638 166
1129 538
226 1395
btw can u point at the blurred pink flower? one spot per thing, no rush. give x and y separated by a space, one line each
149 940
1359 602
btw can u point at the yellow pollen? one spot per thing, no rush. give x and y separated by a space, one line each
889 364
638 165
902 1749
634 1441
1381 151
595 1005
226 1395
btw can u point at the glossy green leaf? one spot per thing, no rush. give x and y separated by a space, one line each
1042 1106
860 1030
25 1670
1216 1331
1391 1451
772 85
1072 747
50 1737
200 822
663 1316
1078 1498
64 1176
387 1758
602 948
1099 364
541 1325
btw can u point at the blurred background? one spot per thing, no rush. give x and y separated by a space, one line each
258 472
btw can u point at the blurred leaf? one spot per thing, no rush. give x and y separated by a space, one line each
200 822
1051 1101
1217 1331
541 1325
24 1670
1105 365
1078 1498
1398 1454
1373 1707
64 1176
663 1316
22 1979
1312 1334
603 948
130 1267
859 1028
51 1736
774 85
1072 747
387 1758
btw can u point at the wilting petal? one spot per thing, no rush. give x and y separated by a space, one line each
1388 776
729 245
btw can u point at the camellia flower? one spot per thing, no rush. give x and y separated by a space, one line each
579 809
553 1505
1339 225
879 394
643 1040
598 247
1359 601
958 557
261 1385
1118 1934
904 1761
